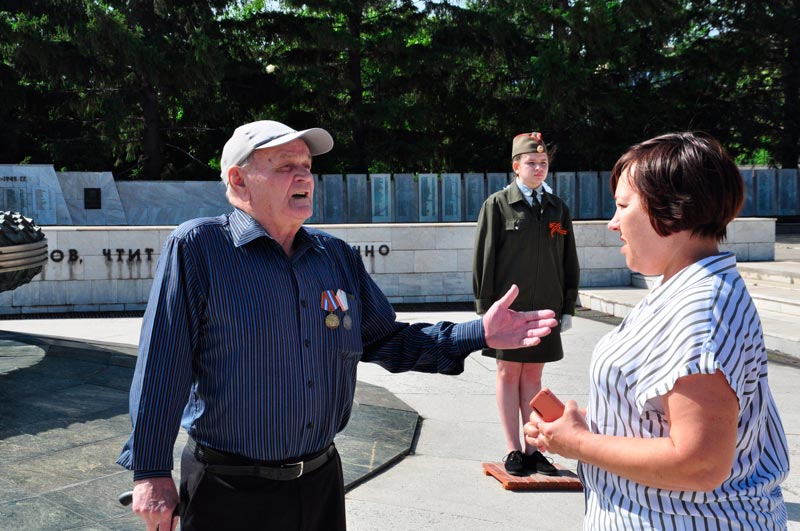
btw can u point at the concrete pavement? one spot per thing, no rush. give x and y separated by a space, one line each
441 486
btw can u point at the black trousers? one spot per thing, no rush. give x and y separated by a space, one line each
211 502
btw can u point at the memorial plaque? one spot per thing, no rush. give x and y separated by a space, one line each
766 200
13 200
164 202
92 199
381 186
475 195
498 181
606 197
333 200
589 195
550 181
42 200
565 189
429 197
749 207
357 200
102 204
788 201
405 198
319 199
34 190
451 197
316 217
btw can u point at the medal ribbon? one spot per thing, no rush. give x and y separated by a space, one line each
341 298
328 301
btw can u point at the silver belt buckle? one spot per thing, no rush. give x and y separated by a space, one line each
301 468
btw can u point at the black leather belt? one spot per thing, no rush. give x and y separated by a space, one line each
234 465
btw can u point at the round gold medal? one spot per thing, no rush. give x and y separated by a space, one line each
332 321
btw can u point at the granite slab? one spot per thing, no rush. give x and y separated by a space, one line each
64 419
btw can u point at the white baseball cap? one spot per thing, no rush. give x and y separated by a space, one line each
266 134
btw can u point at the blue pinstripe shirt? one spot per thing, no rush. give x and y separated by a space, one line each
234 345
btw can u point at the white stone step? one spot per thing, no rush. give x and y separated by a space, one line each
639 280
775 296
781 330
772 295
786 272
616 301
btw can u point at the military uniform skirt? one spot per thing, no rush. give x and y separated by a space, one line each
548 350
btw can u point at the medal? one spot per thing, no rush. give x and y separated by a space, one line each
331 321
328 303
341 298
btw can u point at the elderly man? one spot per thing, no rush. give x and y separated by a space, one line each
251 338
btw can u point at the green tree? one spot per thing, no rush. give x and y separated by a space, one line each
152 88
116 81
337 64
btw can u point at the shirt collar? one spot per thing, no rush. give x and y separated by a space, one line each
245 229
691 274
526 192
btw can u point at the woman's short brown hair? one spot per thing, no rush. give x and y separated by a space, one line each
687 181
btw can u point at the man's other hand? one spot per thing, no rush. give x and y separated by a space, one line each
154 500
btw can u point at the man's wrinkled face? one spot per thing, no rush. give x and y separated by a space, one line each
280 185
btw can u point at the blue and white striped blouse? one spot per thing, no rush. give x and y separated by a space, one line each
699 321
234 345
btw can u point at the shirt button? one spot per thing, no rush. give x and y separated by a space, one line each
307 343
310 384
310 425
303 303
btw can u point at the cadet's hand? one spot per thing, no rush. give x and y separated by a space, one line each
154 500
507 329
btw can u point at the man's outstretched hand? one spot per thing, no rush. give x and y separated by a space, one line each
506 329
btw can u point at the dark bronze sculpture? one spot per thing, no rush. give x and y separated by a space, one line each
23 250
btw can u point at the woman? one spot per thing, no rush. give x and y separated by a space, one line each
524 237
683 432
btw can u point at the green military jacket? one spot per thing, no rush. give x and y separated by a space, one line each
536 251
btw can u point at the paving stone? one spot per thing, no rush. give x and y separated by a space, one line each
64 419
38 514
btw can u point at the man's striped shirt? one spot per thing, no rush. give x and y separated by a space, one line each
698 322
234 344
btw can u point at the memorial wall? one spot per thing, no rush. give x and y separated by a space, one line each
95 198
415 233
111 268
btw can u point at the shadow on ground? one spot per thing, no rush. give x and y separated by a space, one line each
64 419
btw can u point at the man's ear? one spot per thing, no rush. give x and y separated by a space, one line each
236 182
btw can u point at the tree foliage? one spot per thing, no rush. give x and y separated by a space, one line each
152 88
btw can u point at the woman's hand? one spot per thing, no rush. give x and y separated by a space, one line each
562 436
697 455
